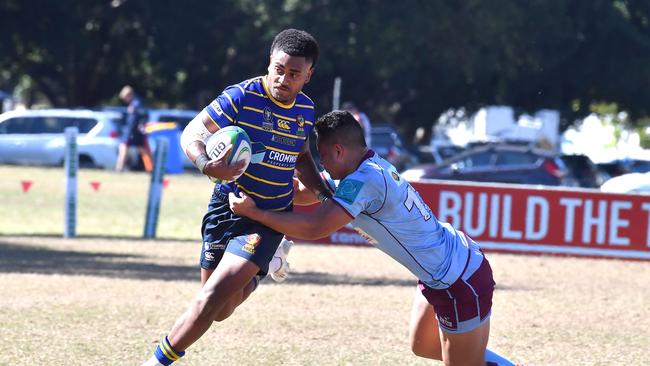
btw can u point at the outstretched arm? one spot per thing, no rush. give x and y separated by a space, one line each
326 219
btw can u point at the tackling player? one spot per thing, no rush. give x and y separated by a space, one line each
236 251
450 319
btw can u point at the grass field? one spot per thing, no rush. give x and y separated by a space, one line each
117 209
107 297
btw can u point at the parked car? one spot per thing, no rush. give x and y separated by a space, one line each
36 137
389 144
583 171
444 151
612 169
628 183
637 165
496 163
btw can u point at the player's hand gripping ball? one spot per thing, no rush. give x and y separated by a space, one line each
241 148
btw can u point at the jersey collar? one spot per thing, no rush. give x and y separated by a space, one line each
369 154
275 101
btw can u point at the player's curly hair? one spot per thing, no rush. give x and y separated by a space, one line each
340 127
295 42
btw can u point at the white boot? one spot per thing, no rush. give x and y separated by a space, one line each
153 361
281 254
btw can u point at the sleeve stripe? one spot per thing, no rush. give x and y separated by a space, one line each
227 116
231 103
253 109
255 93
305 106
305 95
212 119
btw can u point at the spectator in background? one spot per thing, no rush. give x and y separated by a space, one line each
132 133
363 120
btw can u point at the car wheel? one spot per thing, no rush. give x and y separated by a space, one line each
86 161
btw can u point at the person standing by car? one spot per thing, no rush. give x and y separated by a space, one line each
132 134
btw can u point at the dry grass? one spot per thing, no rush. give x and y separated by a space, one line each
106 298
107 302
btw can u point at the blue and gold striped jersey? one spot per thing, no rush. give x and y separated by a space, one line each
281 128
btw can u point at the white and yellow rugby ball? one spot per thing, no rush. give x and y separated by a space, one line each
241 147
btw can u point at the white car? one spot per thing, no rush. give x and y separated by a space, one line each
628 183
36 137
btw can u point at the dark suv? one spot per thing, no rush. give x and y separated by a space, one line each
389 144
497 163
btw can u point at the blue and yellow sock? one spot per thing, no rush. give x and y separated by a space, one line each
165 354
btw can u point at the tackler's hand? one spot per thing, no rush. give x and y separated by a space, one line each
242 205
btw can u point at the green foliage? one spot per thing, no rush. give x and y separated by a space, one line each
402 61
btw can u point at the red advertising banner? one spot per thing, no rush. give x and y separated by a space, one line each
527 219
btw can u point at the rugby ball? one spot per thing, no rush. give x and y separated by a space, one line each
229 136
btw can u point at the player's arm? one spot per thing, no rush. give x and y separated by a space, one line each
193 141
326 219
301 195
307 173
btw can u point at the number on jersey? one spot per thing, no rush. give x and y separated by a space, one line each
414 199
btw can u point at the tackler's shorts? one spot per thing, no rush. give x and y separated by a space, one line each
224 231
466 304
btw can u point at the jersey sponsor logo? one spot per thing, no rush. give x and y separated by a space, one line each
283 140
281 159
284 125
348 190
252 241
268 119
217 108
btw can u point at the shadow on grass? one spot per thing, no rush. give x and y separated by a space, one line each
321 278
41 260
16 258
93 236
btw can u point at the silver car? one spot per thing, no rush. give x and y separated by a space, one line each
36 137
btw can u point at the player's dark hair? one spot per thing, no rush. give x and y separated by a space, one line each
340 127
296 42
